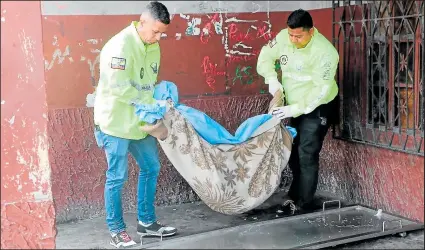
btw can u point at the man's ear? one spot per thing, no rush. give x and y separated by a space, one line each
311 31
142 19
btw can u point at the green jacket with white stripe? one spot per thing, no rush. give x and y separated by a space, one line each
128 73
307 73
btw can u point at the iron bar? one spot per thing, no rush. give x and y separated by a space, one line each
380 76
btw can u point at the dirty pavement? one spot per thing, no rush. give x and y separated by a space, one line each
193 218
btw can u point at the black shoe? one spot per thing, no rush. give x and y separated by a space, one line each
155 229
122 240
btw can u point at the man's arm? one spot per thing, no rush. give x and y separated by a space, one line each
266 64
116 70
323 79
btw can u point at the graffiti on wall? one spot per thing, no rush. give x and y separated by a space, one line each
241 41
91 59
224 50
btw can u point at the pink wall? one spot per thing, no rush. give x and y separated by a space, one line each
27 212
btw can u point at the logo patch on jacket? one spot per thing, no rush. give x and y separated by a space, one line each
142 73
299 66
283 59
154 67
272 42
141 87
118 63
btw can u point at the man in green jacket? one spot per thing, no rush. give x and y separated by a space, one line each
308 62
129 64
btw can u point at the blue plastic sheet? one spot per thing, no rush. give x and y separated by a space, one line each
150 112
205 126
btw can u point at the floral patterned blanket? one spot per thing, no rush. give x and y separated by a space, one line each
230 179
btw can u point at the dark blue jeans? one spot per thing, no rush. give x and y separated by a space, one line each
145 152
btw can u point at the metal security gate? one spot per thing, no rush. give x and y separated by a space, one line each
381 73
308 231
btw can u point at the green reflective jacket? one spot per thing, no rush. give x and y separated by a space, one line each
128 73
307 74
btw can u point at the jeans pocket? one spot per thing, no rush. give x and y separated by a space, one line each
98 135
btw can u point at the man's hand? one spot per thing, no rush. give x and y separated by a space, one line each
167 103
170 102
274 85
283 112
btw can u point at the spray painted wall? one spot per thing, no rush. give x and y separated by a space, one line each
76 31
210 52
27 212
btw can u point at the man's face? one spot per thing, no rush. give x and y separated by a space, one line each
150 30
300 37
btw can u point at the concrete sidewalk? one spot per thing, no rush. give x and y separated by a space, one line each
193 218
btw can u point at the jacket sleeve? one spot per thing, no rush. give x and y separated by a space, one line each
323 78
266 60
116 68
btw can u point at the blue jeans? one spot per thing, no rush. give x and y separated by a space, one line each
145 152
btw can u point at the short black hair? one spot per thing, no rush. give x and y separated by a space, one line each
300 19
159 12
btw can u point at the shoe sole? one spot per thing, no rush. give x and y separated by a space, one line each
122 246
157 234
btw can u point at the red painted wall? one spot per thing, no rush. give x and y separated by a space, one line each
198 65
27 212
377 177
